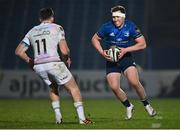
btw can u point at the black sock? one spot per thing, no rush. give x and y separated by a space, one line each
145 102
126 103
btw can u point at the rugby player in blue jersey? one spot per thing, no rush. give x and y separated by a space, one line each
120 32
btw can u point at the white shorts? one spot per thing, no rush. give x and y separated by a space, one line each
55 70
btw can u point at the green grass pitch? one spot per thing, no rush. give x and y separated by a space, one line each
106 113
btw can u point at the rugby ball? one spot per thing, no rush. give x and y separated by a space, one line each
113 52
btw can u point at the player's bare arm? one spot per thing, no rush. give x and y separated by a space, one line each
21 52
96 43
140 44
65 51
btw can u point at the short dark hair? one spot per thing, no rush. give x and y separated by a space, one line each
118 8
46 13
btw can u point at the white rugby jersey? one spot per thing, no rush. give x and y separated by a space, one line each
44 39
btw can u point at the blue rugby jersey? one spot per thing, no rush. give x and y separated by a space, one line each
121 37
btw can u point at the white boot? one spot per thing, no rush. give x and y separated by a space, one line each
129 112
58 118
150 110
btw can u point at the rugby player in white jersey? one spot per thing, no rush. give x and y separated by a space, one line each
45 40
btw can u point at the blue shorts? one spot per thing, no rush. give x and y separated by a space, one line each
120 66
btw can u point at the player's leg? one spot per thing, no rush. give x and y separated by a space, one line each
133 78
114 82
53 91
73 89
64 77
54 96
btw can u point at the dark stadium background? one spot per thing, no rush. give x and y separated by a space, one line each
158 19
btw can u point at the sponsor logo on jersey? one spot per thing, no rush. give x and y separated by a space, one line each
119 39
65 77
40 29
43 33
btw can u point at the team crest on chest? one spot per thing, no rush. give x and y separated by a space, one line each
112 34
126 34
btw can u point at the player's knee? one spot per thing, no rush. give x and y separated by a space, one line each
74 89
75 92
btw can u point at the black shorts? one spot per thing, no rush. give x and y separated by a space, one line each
120 66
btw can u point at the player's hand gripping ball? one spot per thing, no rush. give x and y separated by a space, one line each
114 52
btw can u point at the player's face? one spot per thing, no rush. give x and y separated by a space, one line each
118 21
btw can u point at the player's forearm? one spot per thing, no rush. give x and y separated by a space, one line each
98 47
96 43
65 51
66 56
20 52
24 57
